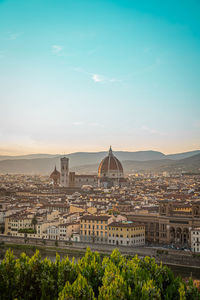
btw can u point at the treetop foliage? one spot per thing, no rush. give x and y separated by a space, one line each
91 278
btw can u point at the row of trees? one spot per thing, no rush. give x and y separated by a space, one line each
114 277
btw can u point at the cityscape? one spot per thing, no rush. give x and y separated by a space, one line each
110 207
99 150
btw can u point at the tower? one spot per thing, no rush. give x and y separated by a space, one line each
64 162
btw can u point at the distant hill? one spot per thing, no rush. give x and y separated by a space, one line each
85 162
191 164
28 156
82 158
183 155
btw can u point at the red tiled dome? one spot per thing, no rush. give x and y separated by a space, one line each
110 163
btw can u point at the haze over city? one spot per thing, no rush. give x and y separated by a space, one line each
81 75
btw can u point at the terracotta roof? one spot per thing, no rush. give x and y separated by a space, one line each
121 224
93 217
110 163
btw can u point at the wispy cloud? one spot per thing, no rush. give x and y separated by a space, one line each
56 49
100 78
14 36
96 124
77 123
151 130
97 78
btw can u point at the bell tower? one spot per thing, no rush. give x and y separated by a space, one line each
64 179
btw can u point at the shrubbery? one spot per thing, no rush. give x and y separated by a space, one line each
115 277
27 230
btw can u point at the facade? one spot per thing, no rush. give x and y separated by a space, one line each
172 225
80 180
110 171
53 232
67 230
126 234
195 240
14 223
94 229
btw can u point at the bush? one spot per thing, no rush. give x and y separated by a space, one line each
27 230
115 277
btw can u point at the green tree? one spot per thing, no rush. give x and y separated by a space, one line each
115 277
79 290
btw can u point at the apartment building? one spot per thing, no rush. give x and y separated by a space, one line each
16 222
126 234
67 230
94 228
195 239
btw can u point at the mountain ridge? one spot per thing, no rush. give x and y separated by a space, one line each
46 165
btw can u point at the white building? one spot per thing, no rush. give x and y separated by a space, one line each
195 239
53 232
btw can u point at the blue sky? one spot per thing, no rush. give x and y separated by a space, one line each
79 75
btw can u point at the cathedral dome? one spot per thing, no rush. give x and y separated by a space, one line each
110 166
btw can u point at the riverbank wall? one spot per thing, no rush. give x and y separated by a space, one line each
166 256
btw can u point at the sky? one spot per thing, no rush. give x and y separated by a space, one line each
81 75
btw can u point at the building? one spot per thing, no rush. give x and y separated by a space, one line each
126 234
53 232
55 176
173 223
110 171
17 222
64 162
94 228
66 230
80 180
195 239
67 179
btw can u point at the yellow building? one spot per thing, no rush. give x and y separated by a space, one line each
94 228
14 223
126 233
